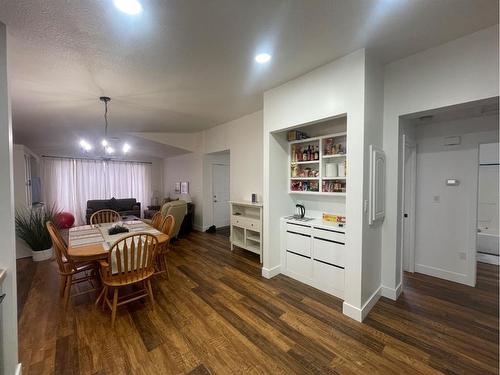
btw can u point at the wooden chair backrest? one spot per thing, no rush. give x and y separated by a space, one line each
104 216
131 258
157 220
60 249
168 225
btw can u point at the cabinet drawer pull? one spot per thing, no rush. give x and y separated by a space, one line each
299 234
300 255
324 239
330 264
329 230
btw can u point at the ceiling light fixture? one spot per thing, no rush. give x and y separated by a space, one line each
107 143
263 58
132 7
85 145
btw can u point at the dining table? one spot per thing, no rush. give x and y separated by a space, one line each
92 242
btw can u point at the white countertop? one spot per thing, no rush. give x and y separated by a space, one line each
316 222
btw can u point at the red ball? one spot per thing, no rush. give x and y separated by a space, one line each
65 220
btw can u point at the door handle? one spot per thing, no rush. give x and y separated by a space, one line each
405 215
215 200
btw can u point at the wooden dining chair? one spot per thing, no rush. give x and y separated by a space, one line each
68 269
157 220
130 261
167 227
105 216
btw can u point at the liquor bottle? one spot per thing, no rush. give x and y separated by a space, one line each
304 155
316 153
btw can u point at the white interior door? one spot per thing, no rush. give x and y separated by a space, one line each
220 190
410 170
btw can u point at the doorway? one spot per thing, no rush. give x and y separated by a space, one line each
220 195
216 191
408 204
439 189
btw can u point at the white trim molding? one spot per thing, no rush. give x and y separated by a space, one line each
391 293
360 314
19 369
269 273
444 274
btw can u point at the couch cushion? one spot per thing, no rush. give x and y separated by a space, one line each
113 204
98 204
125 204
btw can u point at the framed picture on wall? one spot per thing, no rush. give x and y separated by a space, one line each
177 187
185 187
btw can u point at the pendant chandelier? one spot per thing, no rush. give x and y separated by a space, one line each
108 144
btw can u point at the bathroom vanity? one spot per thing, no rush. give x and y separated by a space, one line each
313 252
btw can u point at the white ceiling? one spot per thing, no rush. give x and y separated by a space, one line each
186 65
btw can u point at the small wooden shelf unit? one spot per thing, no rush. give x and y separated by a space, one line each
246 226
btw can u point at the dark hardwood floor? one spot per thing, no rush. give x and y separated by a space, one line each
217 315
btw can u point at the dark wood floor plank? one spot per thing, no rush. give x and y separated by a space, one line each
217 315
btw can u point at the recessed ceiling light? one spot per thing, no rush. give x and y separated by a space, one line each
262 58
110 150
126 148
131 7
104 143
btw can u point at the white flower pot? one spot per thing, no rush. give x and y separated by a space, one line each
41 255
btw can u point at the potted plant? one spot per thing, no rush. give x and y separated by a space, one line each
31 228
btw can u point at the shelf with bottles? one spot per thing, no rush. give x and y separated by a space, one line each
334 145
304 170
305 151
333 186
300 185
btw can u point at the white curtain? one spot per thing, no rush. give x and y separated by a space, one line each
70 183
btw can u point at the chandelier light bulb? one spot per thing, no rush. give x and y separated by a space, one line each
104 142
85 145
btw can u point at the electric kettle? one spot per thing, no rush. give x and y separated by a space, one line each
300 211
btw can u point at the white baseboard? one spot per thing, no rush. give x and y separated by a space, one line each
360 314
443 274
19 369
488 258
391 293
269 273
198 228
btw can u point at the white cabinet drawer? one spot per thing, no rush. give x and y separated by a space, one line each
299 265
298 243
298 228
328 251
245 222
253 224
329 235
329 277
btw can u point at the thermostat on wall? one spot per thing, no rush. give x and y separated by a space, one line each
452 182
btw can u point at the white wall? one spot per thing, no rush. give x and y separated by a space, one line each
331 90
460 71
187 167
372 234
445 250
9 342
157 180
243 139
